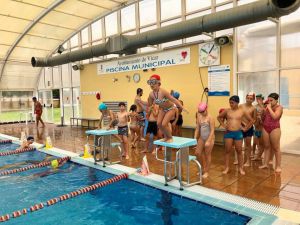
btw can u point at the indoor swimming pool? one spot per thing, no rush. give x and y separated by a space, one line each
122 202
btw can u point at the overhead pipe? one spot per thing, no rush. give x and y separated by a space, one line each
237 16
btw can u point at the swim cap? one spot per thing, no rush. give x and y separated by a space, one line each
176 94
235 98
260 96
202 107
251 94
274 95
54 163
155 76
102 106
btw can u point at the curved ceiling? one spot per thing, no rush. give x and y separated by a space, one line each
35 27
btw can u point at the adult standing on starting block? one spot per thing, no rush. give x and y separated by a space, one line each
167 106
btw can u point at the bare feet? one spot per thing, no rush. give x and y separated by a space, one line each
264 166
226 170
278 170
256 159
163 139
142 139
242 171
205 175
247 164
235 162
127 157
170 140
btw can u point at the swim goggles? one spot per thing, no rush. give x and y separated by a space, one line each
152 82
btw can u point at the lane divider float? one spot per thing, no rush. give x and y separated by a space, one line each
5 141
61 198
17 151
39 165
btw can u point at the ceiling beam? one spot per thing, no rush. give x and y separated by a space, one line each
27 29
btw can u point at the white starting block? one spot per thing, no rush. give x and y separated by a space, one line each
182 157
103 144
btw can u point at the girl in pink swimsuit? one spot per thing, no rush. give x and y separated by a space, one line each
271 131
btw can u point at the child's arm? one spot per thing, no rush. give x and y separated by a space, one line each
221 118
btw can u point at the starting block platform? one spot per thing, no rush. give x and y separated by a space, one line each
181 145
104 145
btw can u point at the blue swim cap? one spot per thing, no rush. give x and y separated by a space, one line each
176 94
102 106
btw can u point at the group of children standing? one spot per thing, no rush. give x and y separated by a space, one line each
164 116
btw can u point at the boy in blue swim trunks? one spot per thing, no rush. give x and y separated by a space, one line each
233 135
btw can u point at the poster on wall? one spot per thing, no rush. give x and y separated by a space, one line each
219 80
161 59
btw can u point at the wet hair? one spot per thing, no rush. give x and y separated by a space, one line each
30 138
133 108
235 98
139 90
274 95
122 104
34 98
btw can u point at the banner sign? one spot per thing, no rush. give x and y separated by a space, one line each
160 59
219 80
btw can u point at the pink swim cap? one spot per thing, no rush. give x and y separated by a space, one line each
202 107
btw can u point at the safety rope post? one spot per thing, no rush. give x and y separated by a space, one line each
41 164
61 198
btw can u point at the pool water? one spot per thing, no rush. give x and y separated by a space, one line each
123 202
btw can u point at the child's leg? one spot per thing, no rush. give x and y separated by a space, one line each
125 146
207 151
146 143
166 125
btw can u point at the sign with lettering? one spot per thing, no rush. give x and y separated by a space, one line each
160 59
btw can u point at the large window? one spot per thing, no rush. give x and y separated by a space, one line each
194 5
290 40
262 82
166 5
97 30
128 18
257 46
147 9
111 24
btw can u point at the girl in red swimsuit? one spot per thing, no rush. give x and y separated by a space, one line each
271 131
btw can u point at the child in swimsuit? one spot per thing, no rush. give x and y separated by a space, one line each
151 115
167 105
134 127
258 140
205 130
272 131
123 118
